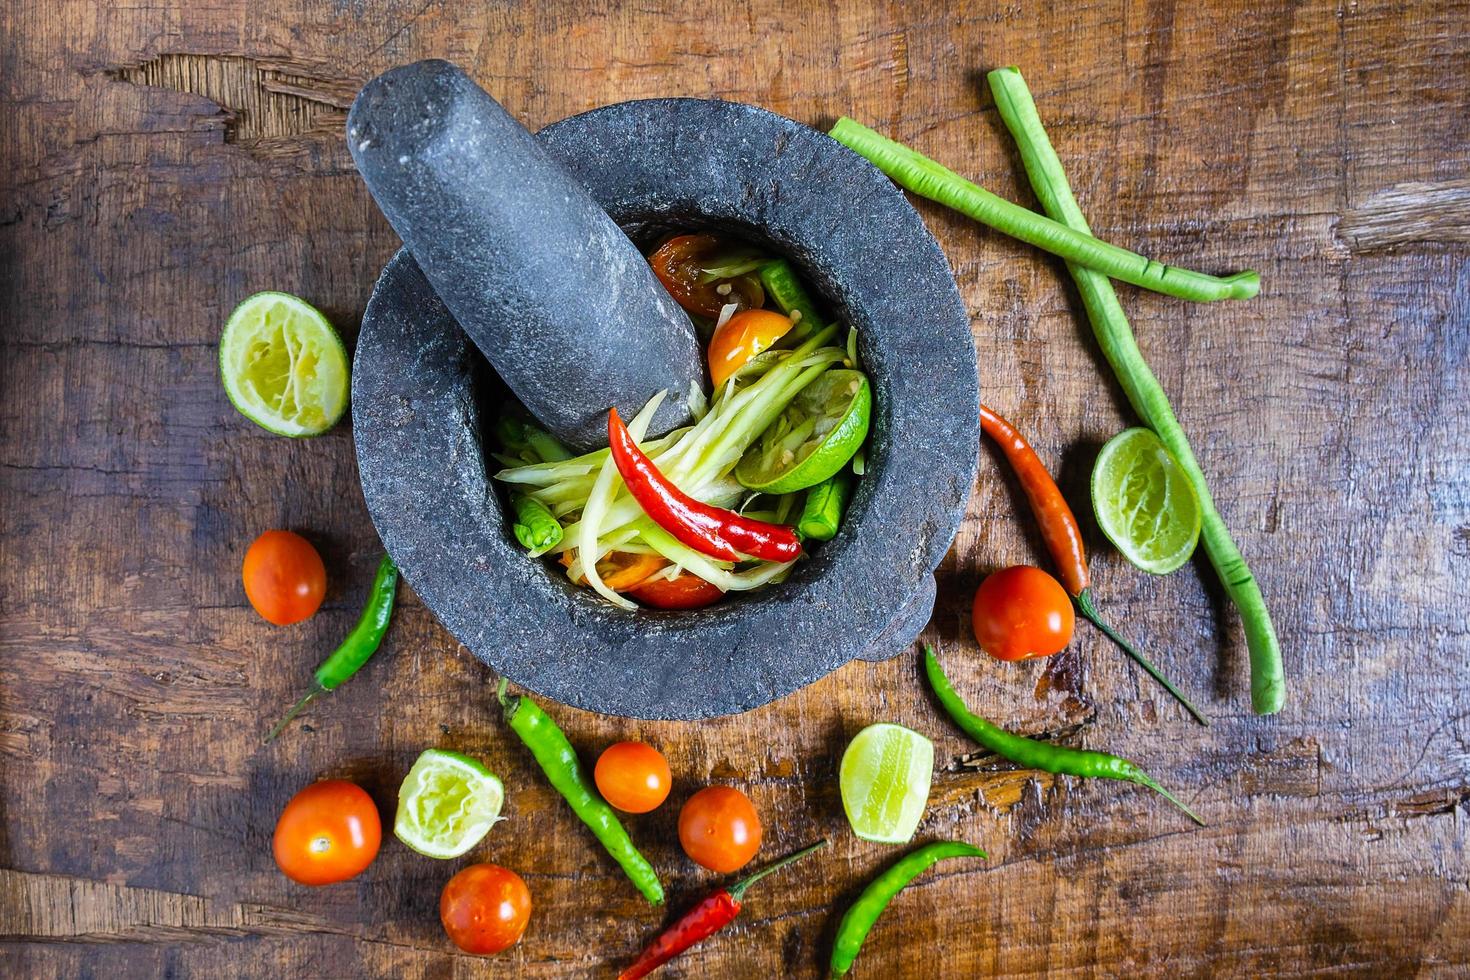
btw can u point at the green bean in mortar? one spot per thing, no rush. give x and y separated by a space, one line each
1034 754
916 172
556 757
535 527
1145 394
360 644
790 296
821 513
863 914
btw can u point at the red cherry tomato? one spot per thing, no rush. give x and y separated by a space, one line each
632 776
285 579
1022 612
743 336
329 832
679 264
719 829
485 908
684 591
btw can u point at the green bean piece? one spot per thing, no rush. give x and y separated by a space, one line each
1034 754
821 514
784 287
556 757
863 913
357 648
527 441
916 172
1145 394
536 528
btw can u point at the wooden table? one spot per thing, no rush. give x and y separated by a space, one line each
160 161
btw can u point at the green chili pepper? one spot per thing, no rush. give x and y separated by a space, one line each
1031 753
360 644
556 757
863 914
821 514
790 296
536 528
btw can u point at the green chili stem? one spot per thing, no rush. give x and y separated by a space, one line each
1030 752
737 890
1090 613
296 709
916 172
1145 394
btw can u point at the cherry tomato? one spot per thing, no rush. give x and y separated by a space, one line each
285 579
743 336
329 832
632 776
1022 612
485 908
684 591
719 829
679 264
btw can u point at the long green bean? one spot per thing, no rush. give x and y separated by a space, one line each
1145 394
916 172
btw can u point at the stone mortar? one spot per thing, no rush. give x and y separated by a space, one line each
419 391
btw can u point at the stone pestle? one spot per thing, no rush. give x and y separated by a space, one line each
547 286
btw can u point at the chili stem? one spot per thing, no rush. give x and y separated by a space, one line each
916 172
1145 394
296 709
1089 612
737 890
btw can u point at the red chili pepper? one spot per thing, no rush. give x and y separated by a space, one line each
1063 536
713 531
715 912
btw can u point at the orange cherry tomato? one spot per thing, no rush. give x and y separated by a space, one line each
632 776
743 336
285 579
485 908
679 264
1022 612
684 591
329 832
719 829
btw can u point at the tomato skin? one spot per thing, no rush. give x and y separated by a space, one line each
684 591
742 337
719 829
679 263
328 832
1022 612
284 577
633 776
485 909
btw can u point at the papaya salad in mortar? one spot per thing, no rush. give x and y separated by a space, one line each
729 502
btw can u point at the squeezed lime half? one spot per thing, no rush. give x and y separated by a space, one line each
885 782
448 802
1144 502
283 365
813 438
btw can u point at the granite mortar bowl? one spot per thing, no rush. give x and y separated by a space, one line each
421 397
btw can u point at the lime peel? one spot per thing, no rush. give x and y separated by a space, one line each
283 366
447 804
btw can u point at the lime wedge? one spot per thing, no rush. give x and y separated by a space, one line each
1144 502
885 782
447 803
813 438
283 365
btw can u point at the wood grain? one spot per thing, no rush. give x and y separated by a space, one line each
159 161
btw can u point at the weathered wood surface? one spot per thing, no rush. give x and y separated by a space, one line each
159 161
